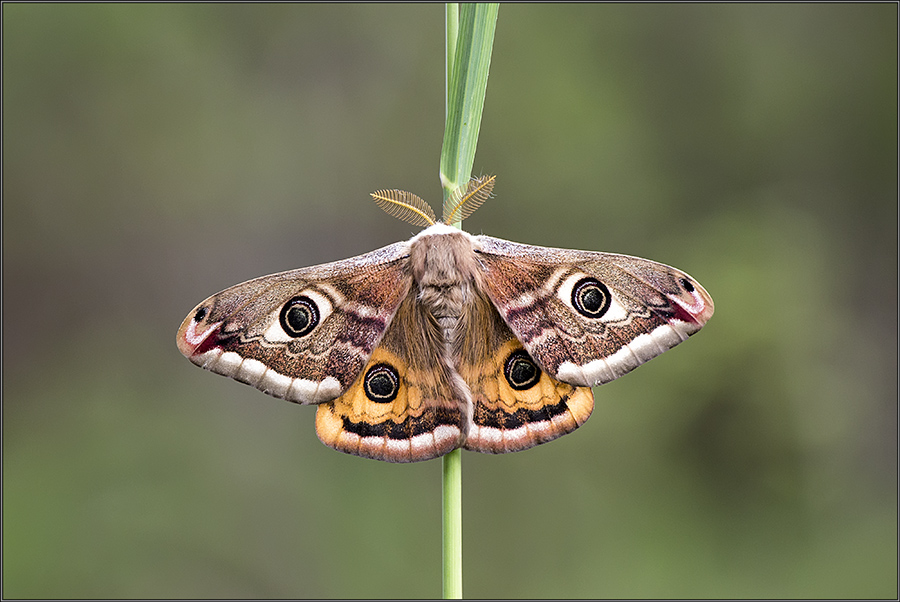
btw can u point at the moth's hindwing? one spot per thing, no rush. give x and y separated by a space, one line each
302 335
407 404
588 318
515 404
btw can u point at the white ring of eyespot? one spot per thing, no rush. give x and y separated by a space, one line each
276 334
616 312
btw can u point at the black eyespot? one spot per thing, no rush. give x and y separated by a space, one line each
299 316
591 298
201 313
686 284
382 383
520 370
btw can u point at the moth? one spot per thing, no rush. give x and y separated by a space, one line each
447 340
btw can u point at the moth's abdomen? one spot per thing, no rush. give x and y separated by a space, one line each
445 271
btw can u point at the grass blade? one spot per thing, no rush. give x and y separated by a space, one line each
468 74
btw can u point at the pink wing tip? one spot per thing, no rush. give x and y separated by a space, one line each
191 342
693 305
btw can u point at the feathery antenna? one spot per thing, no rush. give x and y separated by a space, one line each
476 193
413 209
405 206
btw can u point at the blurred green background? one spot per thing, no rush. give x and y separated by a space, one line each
155 154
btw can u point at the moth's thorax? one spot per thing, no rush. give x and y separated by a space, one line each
444 269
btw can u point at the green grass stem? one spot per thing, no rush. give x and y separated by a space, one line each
452 525
470 38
